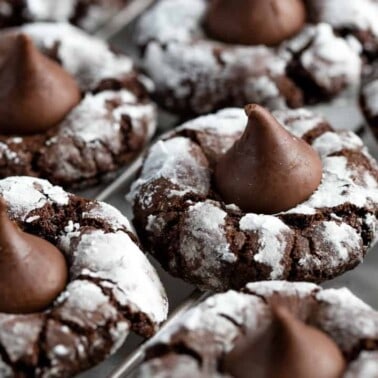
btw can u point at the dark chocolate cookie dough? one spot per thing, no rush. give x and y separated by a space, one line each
106 128
112 289
184 221
201 342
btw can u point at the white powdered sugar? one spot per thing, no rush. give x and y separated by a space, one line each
92 121
342 297
213 316
343 239
161 26
346 318
171 160
331 142
353 14
298 121
24 194
340 240
272 234
18 335
109 214
225 122
339 186
50 10
365 366
87 58
330 57
268 288
203 242
84 297
114 257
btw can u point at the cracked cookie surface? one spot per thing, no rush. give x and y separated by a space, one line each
195 345
185 223
112 287
104 132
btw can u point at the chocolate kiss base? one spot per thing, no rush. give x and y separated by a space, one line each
35 92
268 170
288 349
32 271
255 22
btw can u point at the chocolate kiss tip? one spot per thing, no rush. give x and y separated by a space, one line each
268 170
33 272
254 22
288 348
36 93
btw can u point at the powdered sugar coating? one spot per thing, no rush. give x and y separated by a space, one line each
325 49
111 124
175 188
272 238
210 330
356 16
87 14
203 244
196 74
165 161
113 288
25 194
366 366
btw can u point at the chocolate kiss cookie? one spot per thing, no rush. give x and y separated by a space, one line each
33 272
185 221
255 22
36 93
112 288
71 109
267 170
196 74
288 348
332 333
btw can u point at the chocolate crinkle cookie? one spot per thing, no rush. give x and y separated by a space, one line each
88 14
73 282
71 110
270 329
287 197
216 54
369 96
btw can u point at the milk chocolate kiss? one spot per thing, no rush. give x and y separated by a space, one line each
268 170
32 271
35 92
255 22
288 349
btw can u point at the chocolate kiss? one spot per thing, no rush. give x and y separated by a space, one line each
268 170
32 271
288 349
255 22
35 92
